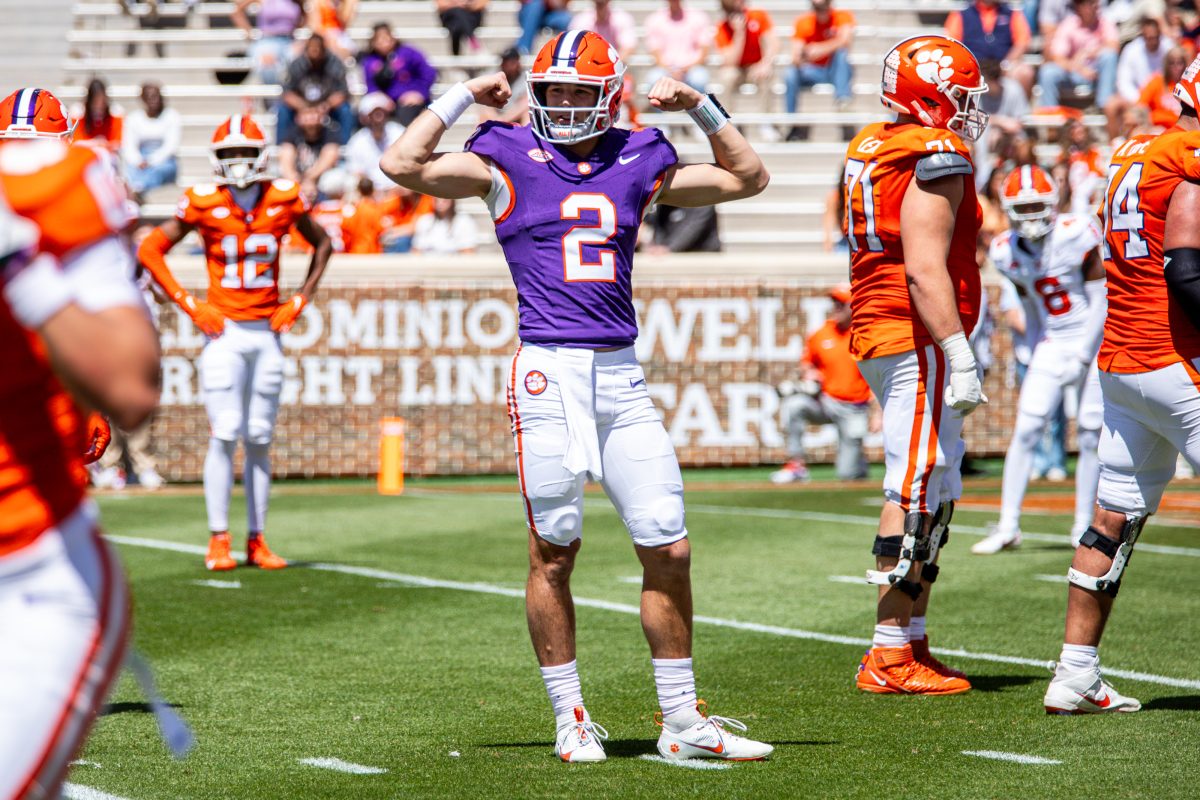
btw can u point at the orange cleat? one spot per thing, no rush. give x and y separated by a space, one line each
894 670
259 555
218 558
921 653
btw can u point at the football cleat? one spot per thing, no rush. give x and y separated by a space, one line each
996 541
894 670
259 555
791 472
710 738
1085 693
578 742
920 648
218 558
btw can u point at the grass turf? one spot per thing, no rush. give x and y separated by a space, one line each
375 671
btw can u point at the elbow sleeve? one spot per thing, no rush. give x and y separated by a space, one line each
1181 268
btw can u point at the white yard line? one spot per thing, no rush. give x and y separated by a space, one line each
74 791
857 580
1051 578
634 579
1016 758
624 608
213 584
687 763
337 765
79 762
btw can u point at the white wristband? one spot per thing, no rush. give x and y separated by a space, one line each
958 352
708 116
38 292
451 105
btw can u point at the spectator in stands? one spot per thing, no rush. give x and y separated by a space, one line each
679 38
1158 96
1084 168
821 53
1134 122
748 46
273 43
150 143
535 15
1007 105
401 210
331 19
461 18
994 218
367 145
399 71
98 122
1050 14
1137 65
445 232
316 81
516 110
994 31
683 230
616 25
310 151
362 227
1082 53
830 391
147 20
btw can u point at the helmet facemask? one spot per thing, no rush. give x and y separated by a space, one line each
1032 217
583 122
970 121
240 164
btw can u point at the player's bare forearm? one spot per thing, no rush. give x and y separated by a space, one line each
738 171
411 161
109 359
927 216
152 255
322 246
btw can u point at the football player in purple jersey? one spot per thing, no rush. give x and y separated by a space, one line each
567 193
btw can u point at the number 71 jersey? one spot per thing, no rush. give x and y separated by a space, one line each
880 164
242 247
568 227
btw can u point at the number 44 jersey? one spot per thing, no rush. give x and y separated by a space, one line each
242 247
568 227
1051 272
881 163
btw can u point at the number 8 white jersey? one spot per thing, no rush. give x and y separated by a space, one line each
1051 272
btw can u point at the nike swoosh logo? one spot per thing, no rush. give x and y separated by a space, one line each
1105 702
273 211
720 748
631 158
633 383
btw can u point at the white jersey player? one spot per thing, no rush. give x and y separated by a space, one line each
1055 260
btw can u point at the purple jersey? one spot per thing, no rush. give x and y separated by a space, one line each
568 227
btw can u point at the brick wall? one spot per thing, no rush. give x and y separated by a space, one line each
436 353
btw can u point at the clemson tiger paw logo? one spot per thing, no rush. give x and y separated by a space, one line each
674 748
933 66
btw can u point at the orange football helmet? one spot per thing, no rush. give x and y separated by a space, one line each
239 151
1186 90
937 80
34 114
1030 198
582 58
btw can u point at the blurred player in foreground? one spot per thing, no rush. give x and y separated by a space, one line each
567 194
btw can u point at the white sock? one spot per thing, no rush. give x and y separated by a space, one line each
218 482
256 479
916 629
1079 658
1018 464
1087 477
676 685
889 636
562 685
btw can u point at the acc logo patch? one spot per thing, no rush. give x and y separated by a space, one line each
535 382
538 154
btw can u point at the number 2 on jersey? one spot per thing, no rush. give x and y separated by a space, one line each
575 267
242 268
858 178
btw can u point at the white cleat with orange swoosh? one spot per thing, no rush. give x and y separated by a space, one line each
1085 693
711 738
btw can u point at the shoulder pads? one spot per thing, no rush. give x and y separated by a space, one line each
941 165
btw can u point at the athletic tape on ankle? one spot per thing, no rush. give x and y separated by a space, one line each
38 292
451 105
708 116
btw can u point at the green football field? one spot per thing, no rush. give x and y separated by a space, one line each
398 644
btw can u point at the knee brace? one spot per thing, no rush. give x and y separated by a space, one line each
939 536
259 431
915 541
1118 551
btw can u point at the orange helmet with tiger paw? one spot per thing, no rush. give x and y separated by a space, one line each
1030 198
937 80
34 114
239 151
582 58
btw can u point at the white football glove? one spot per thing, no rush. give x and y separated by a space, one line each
965 391
1072 371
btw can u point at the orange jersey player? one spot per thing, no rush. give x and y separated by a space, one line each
911 222
1149 375
242 219
69 315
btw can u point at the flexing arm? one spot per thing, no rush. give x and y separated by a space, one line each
738 173
927 216
411 162
152 255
